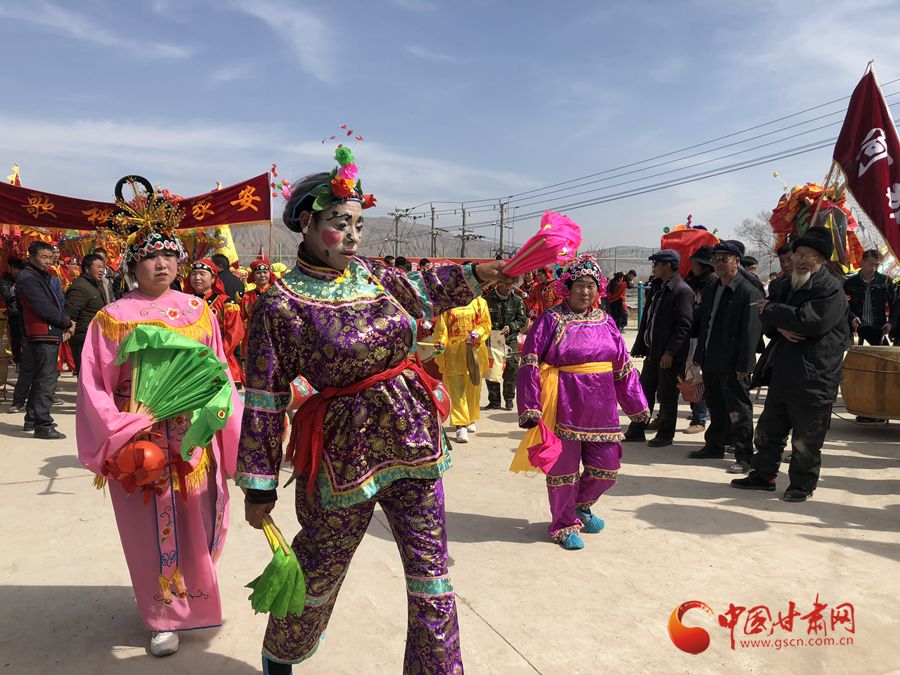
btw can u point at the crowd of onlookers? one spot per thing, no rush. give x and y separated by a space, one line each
720 325
48 303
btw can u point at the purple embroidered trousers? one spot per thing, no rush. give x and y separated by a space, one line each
567 490
325 545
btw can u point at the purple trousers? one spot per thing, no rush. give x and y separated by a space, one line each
569 490
324 547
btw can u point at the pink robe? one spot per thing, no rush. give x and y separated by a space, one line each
170 543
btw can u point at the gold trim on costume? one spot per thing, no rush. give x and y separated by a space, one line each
116 330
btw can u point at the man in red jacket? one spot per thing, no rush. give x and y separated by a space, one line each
46 326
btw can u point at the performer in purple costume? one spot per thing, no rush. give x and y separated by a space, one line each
338 319
581 345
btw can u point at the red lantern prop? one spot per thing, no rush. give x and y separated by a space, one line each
141 463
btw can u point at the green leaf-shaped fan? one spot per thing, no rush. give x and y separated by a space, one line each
172 374
281 588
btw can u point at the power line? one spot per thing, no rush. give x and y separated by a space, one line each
516 196
675 182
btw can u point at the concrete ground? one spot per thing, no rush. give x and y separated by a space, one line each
675 532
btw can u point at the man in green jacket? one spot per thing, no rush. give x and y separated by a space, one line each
508 317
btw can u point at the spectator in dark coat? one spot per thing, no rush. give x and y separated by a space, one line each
234 287
702 274
663 339
728 330
46 326
85 297
812 333
873 300
13 309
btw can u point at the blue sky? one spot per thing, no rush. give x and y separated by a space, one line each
462 100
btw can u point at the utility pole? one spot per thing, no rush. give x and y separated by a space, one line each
397 213
435 232
433 236
466 236
502 227
396 233
462 239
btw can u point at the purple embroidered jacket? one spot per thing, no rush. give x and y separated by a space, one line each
587 408
336 329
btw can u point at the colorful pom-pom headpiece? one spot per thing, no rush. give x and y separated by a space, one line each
343 186
147 222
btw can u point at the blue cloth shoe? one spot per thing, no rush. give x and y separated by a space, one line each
573 542
592 524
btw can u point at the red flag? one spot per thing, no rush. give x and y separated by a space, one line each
868 152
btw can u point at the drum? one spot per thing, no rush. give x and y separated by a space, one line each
870 383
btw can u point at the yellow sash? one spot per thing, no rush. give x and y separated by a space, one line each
549 402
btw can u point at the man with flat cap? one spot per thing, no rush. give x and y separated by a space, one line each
663 340
728 330
805 369
702 274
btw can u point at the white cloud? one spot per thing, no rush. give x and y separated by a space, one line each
83 158
304 32
230 73
77 26
431 55
837 40
415 5
399 179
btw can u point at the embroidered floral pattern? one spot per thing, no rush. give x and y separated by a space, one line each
560 535
588 436
529 360
560 481
600 474
622 374
529 416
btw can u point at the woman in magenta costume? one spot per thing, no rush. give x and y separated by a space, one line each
579 347
171 539
371 435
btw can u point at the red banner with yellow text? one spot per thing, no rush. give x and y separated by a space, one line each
244 203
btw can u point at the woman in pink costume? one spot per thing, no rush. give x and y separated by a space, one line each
173 537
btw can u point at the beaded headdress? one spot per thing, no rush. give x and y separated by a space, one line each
585 266
147 221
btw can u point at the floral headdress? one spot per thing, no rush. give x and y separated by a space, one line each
583 266
147 222
344 186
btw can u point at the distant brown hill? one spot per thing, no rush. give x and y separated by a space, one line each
377 242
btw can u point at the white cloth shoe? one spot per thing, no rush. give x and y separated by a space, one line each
471 428
462 435
163 643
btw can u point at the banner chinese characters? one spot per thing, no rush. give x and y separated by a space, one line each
868 153
244 203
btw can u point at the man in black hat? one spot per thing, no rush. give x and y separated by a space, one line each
701 275
663 339
813 332
728 329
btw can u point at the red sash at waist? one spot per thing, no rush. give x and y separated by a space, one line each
307 441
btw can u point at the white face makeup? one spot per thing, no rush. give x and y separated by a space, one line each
333 235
